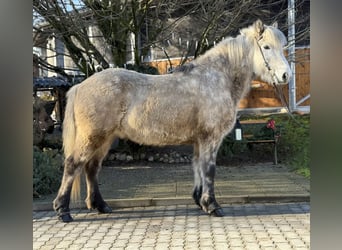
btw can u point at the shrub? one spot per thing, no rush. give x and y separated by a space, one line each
47 171
230 148
294 145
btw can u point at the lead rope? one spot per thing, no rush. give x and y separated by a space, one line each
281 96
278 91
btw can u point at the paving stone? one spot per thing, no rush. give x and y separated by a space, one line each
219 238
252 246
162 246
236 242
149 228
297 242
283 246
76 246
265 242
92 243
82 240
106 246
120 243
64 244
175 248
221 245
38 244
107 239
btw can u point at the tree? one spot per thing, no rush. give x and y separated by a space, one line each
122 27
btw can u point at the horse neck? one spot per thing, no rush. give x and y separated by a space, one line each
242 71
234 57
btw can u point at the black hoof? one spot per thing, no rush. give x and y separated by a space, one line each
66 217
104 210
218 212
210 206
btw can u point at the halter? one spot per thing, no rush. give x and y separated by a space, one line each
267 65
279 92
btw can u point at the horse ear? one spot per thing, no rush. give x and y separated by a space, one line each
259 27
275 25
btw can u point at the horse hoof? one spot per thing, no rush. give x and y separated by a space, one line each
104 210
218 212
65 218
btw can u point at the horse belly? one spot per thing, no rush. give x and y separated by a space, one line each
157 138
159 126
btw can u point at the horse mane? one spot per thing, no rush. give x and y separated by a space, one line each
185 68
231 50
234 49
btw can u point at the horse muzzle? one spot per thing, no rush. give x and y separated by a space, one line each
285 77
282 78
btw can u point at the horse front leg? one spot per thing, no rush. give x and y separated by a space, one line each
207 163
94 198
62 201
197 191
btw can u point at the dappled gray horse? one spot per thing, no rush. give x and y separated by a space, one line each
196 105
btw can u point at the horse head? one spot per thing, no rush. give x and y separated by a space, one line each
269 62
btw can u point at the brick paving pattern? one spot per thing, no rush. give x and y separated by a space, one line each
245 226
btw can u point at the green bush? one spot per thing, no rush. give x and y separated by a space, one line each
230 148
47 171
294 144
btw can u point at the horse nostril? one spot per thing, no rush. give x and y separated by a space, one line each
285 77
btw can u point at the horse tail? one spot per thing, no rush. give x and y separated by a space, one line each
76 189
69 128
69 137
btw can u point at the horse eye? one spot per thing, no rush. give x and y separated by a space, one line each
266 47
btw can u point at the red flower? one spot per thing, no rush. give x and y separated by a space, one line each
271 124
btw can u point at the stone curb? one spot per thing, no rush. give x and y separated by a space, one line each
146 202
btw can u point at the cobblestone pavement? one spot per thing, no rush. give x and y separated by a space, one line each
245 226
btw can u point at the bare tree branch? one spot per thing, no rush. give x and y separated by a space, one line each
174 25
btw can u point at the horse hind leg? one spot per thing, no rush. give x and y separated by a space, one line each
72 168
84 156
94 198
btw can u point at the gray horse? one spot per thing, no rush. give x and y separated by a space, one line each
196 105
